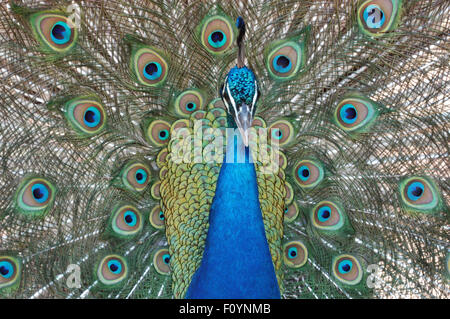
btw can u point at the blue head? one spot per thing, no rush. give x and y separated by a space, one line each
240 90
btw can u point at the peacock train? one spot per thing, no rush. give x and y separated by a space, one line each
224 149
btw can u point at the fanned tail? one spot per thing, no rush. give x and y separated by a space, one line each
358 104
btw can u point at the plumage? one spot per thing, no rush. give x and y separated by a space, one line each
114 171
236 242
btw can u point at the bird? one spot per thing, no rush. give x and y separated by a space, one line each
224 149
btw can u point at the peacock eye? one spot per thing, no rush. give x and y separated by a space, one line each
419 194
292 253
217 39
281 63
54 31
152 71
217 33
112 270
86 116
91 117
282 132
149 66
347 269
126 221
304 173
308 173
285 58
10 269
277 134
161 261
136 176
355 114
291 212
61 33
40 192
158 132
141 176
345 266
376 17
130 218
6 269
295 254
188 102
115 266
35 196
327 216
324 214
415 191
163 134
348 114
157 217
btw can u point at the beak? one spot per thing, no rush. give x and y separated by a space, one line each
244 121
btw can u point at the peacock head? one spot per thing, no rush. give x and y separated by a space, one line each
239 91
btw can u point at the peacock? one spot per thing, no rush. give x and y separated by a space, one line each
224 149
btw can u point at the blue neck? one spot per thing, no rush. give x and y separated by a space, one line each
236 261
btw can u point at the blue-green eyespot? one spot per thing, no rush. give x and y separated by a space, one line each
55 31
347 269
308 173
149 66
295 254
217 33
285 58
85 115
10 272
112 270
376 17
136 176
126 221
419 194
355 113
35 196
327 215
